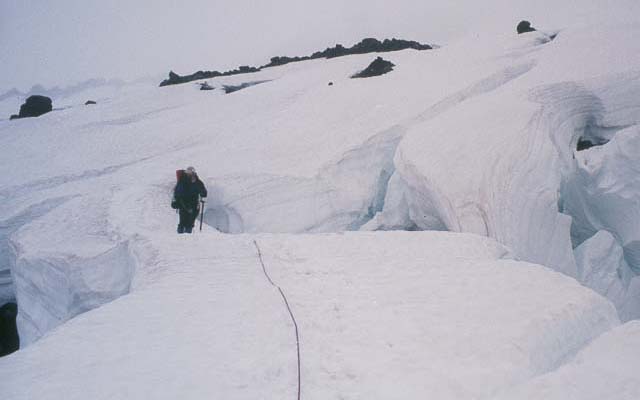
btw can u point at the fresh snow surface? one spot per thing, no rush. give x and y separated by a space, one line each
380 315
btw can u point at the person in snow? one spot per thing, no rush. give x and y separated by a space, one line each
186 198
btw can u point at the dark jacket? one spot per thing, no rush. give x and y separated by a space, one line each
187 193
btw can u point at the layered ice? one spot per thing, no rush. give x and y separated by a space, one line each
602 267
72 272
504 161
344 195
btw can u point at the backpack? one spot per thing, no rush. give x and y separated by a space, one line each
179 176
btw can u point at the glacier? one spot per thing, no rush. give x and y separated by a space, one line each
531 264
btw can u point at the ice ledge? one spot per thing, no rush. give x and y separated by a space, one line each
67 260
51 289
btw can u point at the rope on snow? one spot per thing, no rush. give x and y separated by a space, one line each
286 303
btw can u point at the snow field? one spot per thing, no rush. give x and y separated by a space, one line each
477 138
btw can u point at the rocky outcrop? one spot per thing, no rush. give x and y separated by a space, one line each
175 79
34 106
368 45
205 86
89 102
378 67
9 340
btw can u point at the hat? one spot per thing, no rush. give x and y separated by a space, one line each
190 170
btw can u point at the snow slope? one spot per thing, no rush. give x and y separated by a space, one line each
380 315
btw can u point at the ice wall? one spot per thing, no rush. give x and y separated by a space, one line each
506 163
66 262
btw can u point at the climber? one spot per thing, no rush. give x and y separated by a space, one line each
186 198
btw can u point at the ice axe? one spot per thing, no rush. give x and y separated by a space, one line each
201 213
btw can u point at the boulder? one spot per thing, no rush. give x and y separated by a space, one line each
379 66
524 27
89 102
34 106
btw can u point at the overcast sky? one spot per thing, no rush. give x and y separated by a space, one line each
66 41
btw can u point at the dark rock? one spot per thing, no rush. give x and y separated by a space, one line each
241 70
368 45
584 144
34 106
175 79
371 45
9 339
89 102
378 67
332 52
205 86
276 61
524 27
330 83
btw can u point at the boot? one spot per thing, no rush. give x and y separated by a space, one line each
180 229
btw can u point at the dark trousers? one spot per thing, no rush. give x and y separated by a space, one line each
188 219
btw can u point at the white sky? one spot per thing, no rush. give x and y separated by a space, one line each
66 41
